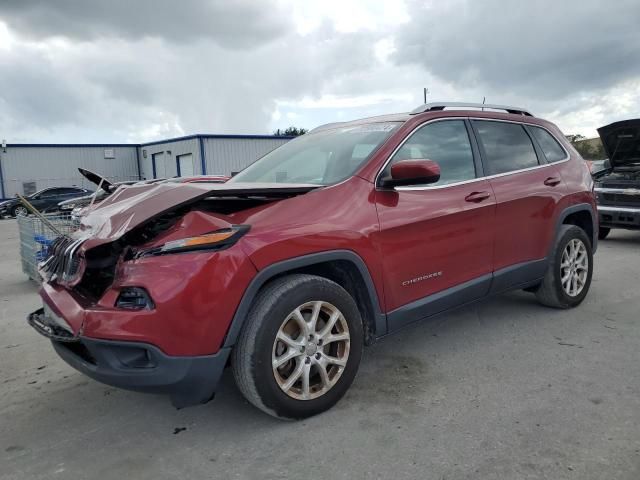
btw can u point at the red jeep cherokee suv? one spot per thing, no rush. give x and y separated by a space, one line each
324 245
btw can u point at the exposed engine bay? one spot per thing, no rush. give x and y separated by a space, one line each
623 177
114 232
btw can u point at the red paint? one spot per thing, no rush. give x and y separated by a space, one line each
433 231
415 169
451 234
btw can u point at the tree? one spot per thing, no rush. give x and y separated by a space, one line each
588 148
290 132
575 138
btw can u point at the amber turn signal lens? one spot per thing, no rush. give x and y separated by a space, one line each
213 239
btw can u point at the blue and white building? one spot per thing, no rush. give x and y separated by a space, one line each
26 168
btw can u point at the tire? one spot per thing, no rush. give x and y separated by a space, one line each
603 232
18 210
257 349
552 293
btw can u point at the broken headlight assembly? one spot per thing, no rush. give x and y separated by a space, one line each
218 240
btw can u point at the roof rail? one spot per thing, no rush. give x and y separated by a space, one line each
432 107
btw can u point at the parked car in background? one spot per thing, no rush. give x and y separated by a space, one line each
617 184
76 206
44 200
326 244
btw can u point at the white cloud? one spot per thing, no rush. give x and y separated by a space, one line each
106 72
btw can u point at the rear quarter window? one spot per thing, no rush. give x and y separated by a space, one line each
549 145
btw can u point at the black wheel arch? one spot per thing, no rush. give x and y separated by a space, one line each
581 215
345 267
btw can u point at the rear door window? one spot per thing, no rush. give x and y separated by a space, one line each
507 146
549 145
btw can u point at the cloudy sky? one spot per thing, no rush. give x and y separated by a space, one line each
131 71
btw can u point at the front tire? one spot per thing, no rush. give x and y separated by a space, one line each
19 210
568 276
300 347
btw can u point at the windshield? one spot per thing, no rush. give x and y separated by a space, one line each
322 158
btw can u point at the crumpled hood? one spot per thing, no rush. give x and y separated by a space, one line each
132 206
621 142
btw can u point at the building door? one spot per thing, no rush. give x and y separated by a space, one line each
159 167
185 165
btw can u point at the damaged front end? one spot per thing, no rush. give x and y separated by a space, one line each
143 294
152 220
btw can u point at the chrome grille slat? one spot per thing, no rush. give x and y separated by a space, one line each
62 262
621 198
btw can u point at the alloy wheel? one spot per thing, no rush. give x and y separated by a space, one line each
311 350
574 267
21 211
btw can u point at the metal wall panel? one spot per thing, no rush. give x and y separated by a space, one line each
51 165
57 165
226 155
179 147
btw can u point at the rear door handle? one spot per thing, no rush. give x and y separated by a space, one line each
552 181
477 197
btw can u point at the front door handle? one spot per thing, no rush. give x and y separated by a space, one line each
477 197
552 181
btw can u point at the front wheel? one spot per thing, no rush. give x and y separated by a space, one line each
19 210
568 276
300 347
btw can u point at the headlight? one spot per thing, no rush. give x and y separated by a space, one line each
218 240
68 206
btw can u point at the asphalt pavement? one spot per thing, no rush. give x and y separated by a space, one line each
505 389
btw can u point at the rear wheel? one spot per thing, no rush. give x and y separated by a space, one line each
300 347
568 276
603 232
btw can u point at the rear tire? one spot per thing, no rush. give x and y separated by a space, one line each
568 277
283 363
603 232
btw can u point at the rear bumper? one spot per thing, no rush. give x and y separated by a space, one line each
189 380
619 217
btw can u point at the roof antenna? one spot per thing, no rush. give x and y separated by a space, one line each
484 99
426 91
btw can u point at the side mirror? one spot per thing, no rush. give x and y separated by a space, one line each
412 172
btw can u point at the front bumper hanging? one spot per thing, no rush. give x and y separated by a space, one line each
189 380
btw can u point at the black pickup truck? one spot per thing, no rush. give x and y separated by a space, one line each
618 185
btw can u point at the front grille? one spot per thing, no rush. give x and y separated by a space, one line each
620 198
63 262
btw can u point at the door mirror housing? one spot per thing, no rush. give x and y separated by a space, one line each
412 172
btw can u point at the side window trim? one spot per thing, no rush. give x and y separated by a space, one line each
483 154
478 153
475 152
528 128
542 159
475 147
